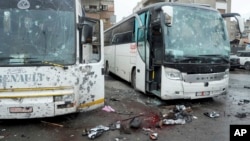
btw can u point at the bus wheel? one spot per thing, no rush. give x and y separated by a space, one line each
133 79
247 66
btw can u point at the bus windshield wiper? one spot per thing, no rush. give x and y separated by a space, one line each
200 59
6 58
217 56
55 64
188 58
32 61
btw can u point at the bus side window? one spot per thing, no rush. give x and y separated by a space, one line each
113 42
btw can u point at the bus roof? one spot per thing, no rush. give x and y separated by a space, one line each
160 4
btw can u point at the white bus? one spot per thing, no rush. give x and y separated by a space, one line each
172 50
51 59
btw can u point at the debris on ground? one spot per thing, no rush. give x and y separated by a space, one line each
135 122
114 126
120 139
195 117
53 124
212 114
153 136
125 128
247 87
139 115
147 130
95 132
114 99
241 115
172 121
108 109
176 115
243 101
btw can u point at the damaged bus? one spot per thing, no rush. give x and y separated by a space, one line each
51 59
171 50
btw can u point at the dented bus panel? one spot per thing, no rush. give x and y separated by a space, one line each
44 71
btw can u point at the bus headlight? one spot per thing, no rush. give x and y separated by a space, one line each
174 75
65 98
226 75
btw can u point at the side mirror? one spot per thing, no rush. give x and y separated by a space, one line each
248 36
168 15
239 20
87 33
240 23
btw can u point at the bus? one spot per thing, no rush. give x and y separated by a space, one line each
171 50
51 59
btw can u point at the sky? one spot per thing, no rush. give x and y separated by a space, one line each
242 7
124 8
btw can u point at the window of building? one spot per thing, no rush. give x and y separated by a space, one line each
93 7
104 7
222 11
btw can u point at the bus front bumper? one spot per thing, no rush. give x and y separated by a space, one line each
40 107
184 90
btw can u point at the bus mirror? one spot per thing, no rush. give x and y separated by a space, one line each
240 23
239 20
168 15
87 31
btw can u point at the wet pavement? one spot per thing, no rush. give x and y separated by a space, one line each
232 108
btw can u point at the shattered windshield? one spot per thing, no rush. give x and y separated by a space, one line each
34 31
196 34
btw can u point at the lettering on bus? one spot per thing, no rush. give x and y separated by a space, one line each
35 77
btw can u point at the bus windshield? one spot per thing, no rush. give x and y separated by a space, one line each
195 33
35 31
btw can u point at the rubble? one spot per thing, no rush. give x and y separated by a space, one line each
243 102
108 109
172 121
135 122
153 136
176 115
95 132
120 139
241 115
212 114
53 124
125 129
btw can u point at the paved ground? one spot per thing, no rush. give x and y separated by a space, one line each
129 103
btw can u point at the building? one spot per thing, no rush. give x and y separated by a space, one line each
247 28
100 9
240 40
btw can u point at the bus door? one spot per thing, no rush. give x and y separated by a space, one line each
91 78
156 53
142 51
156 50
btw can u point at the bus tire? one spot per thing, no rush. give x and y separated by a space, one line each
247 66
133 79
